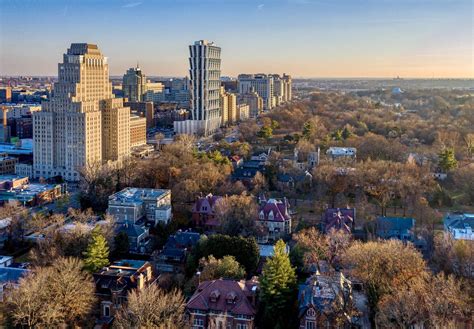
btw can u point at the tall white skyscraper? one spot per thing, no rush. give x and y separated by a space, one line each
205 73
68 133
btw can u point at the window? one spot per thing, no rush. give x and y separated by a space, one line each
311 312
106 310
242 326
198 323
310 325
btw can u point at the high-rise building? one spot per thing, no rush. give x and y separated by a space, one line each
134 84
5 94
205 72
262 84
253 100
273 89
137 131
68 132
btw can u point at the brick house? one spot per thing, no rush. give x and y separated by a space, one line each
275 220
203 211
114 282
223 303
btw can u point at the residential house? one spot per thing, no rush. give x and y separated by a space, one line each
141 204
172 258
395 228
9 278
275 220
335 152
339 219
223 303
460 225
246 173
323 297
115 281
203 211
138 237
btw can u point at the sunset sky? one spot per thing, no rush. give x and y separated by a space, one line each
306 38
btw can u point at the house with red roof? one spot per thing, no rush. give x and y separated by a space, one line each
203 214
223 303
339 219
275 220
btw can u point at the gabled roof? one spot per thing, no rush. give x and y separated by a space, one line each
275 210
339 218
214 295
133 230
209 201
387 224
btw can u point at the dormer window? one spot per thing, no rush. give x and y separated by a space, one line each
261 215
231 297
271 216
214 296
311 312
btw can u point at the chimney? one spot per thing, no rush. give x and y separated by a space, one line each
140 281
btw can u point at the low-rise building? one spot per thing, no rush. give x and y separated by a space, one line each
223 303
341 152
275 220
395 228
243 112
172 258
203 211
19 189
133 204
138 237
460 225
338 219
114 282
7 164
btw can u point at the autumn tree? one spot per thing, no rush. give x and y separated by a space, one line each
236 214
52 296
278 284
97 253
226 267
384 266
151 307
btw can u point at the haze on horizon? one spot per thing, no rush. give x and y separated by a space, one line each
305 38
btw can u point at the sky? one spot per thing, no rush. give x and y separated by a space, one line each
304 38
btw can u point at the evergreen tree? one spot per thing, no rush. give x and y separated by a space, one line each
308 129
121 244
278 287
346 133
265 132
97 253
447 159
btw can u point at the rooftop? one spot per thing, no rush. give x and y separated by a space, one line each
136 195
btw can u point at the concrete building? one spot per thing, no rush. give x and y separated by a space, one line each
274 90
134 84
136 205
460 225
7 164
205 72
243 112
16 111
224 105
143 109
68 131
253 100
5 94
115 129
137 131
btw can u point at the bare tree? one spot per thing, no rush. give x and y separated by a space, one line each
152 308
60 294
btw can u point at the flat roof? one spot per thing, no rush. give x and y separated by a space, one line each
136 195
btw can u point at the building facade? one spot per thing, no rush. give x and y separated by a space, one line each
137 131
253 100
273 89
68 131
134 84
275 219
205 72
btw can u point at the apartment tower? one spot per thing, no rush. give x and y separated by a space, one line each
68 133
205 73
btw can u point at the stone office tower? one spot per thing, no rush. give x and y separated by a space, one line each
68 133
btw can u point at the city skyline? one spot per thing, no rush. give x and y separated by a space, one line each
306 38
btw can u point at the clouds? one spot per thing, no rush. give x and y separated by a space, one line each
132 5
260 6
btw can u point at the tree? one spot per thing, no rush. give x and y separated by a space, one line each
346 133
97 253
121 245
245 250
384 266
447 159
151 307
236 215
52 296
278 284
226 267
266 132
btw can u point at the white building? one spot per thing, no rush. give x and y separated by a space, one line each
274 90
68 132
460 225
205 73
340 152
135 205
